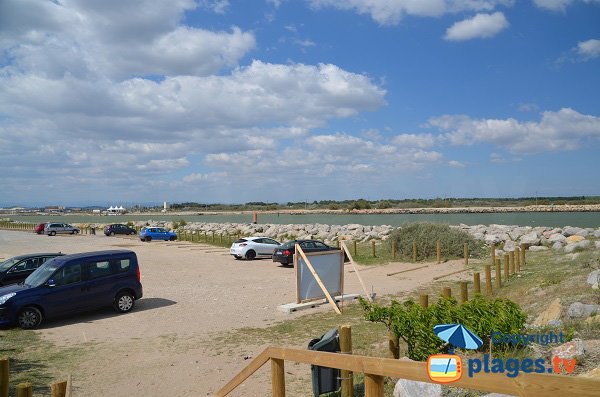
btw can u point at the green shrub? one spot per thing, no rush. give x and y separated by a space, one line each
179 223
414 324
426 236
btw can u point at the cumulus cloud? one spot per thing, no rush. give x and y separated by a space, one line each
588 49
415 140
390 12
565 129
480 26
558 5
148 102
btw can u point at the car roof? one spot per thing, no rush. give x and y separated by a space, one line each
85 255
24 256
256 237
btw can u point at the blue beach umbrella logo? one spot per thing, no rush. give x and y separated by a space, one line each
458 336
447 368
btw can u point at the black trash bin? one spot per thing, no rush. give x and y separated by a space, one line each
324 379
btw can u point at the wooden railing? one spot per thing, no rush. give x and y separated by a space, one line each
375 369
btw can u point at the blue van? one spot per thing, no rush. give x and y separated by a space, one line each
73 283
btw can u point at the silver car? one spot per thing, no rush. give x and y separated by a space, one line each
51 229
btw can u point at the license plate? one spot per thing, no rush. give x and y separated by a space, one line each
277 252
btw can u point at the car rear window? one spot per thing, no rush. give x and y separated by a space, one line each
123 265
289 244
242 240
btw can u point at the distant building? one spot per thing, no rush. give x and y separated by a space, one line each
115 210
165 207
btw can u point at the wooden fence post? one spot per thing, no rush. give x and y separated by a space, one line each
373 248
373 385
24 390
466 252
476 283
4 377
438 250
337 243
464 292
354 247
278 377
424 301
493 253
512 262
506 266
518 260
393 250
488 280
58 389
498 274
414 251
346 348
523 249
447 292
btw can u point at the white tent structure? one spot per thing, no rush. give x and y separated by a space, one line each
115 210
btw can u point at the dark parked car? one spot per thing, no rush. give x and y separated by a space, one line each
285 253
39 229
73 283
111 230
16 269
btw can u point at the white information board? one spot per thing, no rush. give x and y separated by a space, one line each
329 266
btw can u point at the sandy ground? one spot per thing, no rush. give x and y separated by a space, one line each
192 292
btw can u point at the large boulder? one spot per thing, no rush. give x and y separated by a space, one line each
550 315
597 233
593 278
492 239
574 239
574 348
557 237
556 246
509 246
581 310
530 239
575 231
412 388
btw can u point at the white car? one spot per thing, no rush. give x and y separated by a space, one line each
253 247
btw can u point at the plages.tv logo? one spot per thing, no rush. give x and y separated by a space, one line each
446 368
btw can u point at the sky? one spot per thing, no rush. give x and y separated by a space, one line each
110 101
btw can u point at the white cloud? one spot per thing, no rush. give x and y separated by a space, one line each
588 49
456 164
217 6
390 12
528 107
556 131
74 88
480 26
559 5
422 141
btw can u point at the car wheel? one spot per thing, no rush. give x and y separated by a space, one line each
29 318
111 233
132 233
124 302
52 234
148 238
250 255
172 238
142 239
237 257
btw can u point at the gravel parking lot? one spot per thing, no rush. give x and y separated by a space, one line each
191 293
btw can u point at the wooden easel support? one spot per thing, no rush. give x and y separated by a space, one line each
362 284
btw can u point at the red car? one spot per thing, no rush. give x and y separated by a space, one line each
39 229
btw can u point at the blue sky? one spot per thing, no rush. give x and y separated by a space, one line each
293 100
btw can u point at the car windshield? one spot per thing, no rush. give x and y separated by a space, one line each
41 274
8 263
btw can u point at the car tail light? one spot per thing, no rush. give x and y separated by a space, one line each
287 253
243 244
139 276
